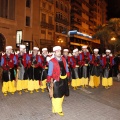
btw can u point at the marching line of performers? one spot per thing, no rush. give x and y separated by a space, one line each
22 71
86 68
55 71
28 72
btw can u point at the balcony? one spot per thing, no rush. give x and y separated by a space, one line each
50 1
77 12
65 22
76 22
77 2
47 25
46 42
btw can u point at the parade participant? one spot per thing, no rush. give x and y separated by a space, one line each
34 70
22 75
0 58
95 69
84 63
44 70
75 69
118 72
115 66
8 60
107 63
57 80
0 66
67 56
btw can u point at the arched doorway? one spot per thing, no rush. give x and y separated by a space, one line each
2 42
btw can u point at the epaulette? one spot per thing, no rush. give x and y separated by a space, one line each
3 53
110 55
17 52
103 55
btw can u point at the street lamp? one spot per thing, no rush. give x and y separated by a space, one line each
114 39
60 41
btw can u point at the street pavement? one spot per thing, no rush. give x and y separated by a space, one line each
82 104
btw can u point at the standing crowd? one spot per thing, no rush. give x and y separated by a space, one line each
55 71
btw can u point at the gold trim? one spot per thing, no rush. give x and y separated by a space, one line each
63 77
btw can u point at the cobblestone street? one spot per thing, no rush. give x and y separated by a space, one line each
82 104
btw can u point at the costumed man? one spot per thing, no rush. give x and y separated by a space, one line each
67 56
8 61
57 81
0 58
95 65
75 69
107 63
84 63
44 70
0 66
34 70
22 73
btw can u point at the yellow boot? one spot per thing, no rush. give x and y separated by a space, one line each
74 88
31 92
12 93
25 90
5 94
57 105
60 113
20 93
43 90
37 90
83 86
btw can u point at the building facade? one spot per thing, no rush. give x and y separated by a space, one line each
19 23
45 23
62 22
85 15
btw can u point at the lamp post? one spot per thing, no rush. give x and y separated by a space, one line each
114 39
60 41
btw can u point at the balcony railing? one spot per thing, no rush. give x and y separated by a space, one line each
77 12
76 22
76 2
47 25
62 21
51 1
46 42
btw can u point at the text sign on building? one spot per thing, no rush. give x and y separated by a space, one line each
18 37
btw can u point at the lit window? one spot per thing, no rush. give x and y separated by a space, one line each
18 37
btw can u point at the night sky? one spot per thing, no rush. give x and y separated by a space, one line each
113 9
